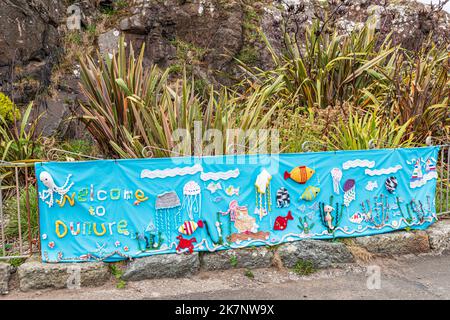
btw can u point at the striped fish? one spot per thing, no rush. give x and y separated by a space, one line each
391 184
310 193
189 227
283 199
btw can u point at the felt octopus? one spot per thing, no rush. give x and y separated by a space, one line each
48 181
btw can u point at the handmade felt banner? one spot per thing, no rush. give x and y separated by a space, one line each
116 209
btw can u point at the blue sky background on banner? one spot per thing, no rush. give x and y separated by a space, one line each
152 206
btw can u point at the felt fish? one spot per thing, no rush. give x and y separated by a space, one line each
281 222
391 184
232 191
189 227
283 199
310 193
299 174
214 186
356 218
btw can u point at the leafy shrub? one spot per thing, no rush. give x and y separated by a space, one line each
20 142
326 69
361 129
8 110
130 109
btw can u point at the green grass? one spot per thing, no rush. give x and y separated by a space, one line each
117 273
248 55
304 267
249 274
12 229
15 262
74 37
82 147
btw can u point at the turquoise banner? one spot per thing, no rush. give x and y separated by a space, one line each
117 209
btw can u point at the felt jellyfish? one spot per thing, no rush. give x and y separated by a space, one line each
192 200
336 174
166 210
263 199
48 181
349 192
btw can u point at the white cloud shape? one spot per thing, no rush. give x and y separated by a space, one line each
172 172
220 175
371 185
379 172
358 163
426 177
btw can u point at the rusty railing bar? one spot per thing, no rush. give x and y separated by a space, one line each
2 220
14 257
38 219
27 200
16 170
448 177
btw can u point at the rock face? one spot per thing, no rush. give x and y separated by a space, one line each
29 45
243 258
162 266
35 275
205 35
409 21
5 274
396 243
212 27
322 254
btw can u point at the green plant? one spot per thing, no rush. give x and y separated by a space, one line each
117 272
12 228
78 146
420 91
130 109
120 4
233 261
92 29
74 37
304 267
8 110
327 69
362 128
21 141
16 262
249 274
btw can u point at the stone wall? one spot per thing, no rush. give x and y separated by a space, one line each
34 275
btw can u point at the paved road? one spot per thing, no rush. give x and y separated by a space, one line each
424 277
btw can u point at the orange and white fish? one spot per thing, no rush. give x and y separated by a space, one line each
189 227
299 174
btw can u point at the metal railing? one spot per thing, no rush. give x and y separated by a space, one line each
22 239
18 226
443 183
